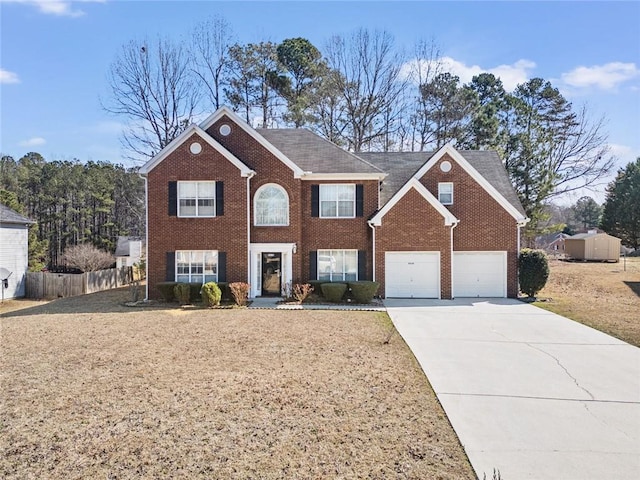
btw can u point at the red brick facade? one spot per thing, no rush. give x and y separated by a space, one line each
412 224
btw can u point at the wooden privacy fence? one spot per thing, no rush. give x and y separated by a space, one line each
57 285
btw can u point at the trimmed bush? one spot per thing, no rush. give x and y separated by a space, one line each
240 292
317 286
211 294
166 290
533 271
224 289
333 291
194 292
182 291
301 291
363 291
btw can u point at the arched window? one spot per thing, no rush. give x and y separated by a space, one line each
271 206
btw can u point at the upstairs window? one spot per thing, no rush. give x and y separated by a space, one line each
338 201
196 199
445 193
271 206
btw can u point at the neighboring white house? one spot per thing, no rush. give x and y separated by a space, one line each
128 251
14 251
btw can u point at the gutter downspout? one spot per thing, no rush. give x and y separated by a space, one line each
520 224
146 234
373 260
453 225
249 177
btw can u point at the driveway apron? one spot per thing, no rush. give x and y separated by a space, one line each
530 394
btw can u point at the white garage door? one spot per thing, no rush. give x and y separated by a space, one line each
480 274
412 274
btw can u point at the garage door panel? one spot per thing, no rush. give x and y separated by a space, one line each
412 274
479 274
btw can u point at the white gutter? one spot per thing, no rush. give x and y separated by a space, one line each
250 175
453 225
146 234
373 259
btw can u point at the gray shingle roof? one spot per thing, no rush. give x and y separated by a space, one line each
9 216
402 165
313 153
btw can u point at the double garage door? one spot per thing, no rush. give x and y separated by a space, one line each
417 274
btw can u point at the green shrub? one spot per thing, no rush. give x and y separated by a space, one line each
240 292
194 292
211 294
333 291
363 291
224 289
533 271
316 285
182 291
166 290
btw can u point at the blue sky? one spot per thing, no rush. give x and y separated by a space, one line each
55 56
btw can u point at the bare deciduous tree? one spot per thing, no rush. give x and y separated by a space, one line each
153 88
369 82
87 258
211 60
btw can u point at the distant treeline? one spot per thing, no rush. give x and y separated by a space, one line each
74 202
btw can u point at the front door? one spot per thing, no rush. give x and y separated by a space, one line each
271 273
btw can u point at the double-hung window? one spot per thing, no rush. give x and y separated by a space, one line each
337 265
445 193
337 201
197 266
197 199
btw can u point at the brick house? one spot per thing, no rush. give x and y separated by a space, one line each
227 202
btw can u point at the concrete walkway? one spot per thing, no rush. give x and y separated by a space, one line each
272 303
529 393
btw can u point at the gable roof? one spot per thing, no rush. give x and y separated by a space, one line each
10 216
316 155
449 218
245 171
225 111
584 236
484 166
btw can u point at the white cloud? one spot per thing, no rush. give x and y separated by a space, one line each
623 153
8 77
33 142
511 75
606 77
61 8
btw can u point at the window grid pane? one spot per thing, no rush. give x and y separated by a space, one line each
196 199
271 206
337 201
196 266
337 265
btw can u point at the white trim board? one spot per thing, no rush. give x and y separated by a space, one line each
222 111
449 218
460 160
245 171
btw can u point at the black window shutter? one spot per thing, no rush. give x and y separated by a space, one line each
359 200
315 200
173 199
313 265
362 265
219 199
222 266
171 267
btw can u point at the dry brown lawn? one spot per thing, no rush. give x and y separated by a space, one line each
601 295
93 389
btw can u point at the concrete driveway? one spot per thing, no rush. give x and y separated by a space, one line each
529 393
